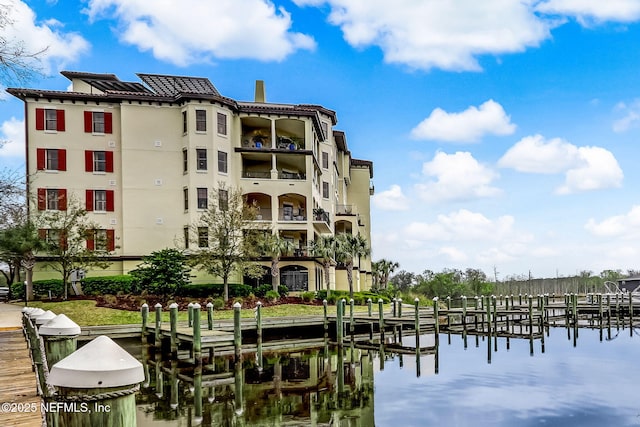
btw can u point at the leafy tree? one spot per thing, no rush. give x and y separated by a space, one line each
67 234
403 280
324 247
348 248
477 282
385 268
227 237
18 244
275 247
164 272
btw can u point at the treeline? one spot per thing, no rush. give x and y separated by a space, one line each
471 282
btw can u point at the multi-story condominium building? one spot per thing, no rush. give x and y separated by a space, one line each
144 157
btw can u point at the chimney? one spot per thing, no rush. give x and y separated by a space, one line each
260 95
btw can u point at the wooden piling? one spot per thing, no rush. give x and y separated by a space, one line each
158 337
417 325
381 318
173 321
435 315
339 327
210 316
326 317
352 327
145 319
190 314
259 320
399 307
237 330
369 304
393 310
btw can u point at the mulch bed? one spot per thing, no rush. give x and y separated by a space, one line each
134 302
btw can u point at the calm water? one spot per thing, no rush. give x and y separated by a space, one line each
582 382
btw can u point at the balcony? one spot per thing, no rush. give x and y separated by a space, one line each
321 221
292 175
291 215
345 210
256 174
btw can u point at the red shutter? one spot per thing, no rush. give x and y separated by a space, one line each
39 118
60 120
42 199
88 161
89 204
42 233
90 240
40 156
62 160
63 240
111 240
62 199
108 123
88 121
110 201
109 157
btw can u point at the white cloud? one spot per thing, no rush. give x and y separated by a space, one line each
200 29
587 11
391 200
59 47
585 168
626 225
469 125
534 154
630 119
12 138
425 34
599 170
453 254
457 177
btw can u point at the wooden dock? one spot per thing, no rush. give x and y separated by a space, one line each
18 383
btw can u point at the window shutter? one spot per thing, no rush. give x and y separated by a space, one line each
42 199
39 118
89 203
88 161
42 233
60 120
111 240
108 122
90 240
109 161
110 201
62 199
63 240
88 121
62 160
40 156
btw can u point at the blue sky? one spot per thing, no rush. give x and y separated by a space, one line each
503 133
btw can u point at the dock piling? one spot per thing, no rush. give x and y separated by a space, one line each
237 330
158 338
210 316
145 318
173 321
197 336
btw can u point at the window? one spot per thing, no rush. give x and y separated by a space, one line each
185 236
98 161
203 237
184 122
54 237
101 240
222 162
325 189
185 198
222 123
325 130
97 122
100 200
185 160
49 119
51 159
325 160
52 199
201 121
201 154
223 199
203 203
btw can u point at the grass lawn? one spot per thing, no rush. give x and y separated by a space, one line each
85 312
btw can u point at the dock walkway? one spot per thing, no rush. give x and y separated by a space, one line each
18 386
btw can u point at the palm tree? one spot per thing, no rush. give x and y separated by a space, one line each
324 247
385 268
275 247
348 248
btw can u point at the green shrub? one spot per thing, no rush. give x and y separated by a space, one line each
283 290
272 296
41 288
215 290
218 303
108 285
308 296
262 290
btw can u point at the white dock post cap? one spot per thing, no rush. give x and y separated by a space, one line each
28 309
60 325
237 305
99 364
45 317
196 305
35 312
210 304
173 305
145 305
158 305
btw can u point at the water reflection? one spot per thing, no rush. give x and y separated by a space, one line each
576 377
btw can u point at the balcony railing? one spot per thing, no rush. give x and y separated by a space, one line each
344 210
256 174
288 216
322 216
292 175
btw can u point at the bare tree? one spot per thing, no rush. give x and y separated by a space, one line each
18 64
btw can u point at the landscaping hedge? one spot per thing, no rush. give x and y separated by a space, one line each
40 288
109 285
